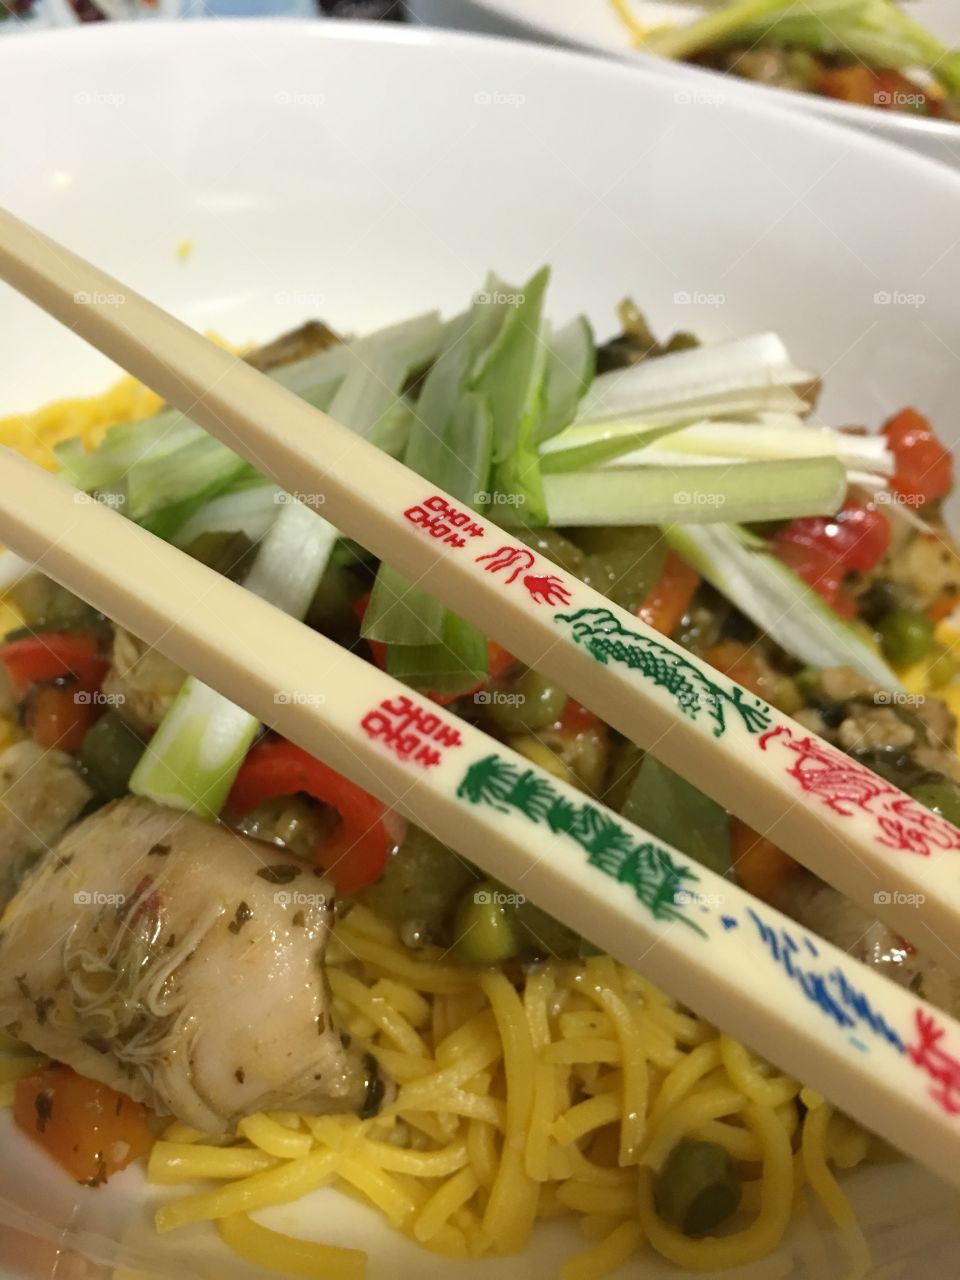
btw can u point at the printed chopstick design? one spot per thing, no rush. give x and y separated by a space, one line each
869 1045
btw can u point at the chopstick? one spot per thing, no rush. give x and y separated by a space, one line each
853 829
869 1045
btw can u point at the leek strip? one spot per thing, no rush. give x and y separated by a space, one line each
193 758
776 600
697 494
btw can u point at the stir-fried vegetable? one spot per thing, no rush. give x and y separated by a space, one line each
698 1187
355 851
88 1128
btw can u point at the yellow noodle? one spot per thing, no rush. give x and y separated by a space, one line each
678 1083
288 1255
287 1182
449 1241
172 1162
813 1148
178 1132
416 1164
448 1197
391 961
739 1142
586 1116
482 1149
380 1013
634 1089
428 1088
609 1254
582 1049
401 1067
697 1109
438 1128
276 1139
596 1226
537 1154
744 1071
512 1205
396 1197
588 1197
404 999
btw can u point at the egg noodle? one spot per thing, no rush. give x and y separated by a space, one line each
555 1091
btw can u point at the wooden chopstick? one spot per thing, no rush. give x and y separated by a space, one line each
869 1045
853 829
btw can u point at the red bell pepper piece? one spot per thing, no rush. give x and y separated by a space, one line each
924 467
356 854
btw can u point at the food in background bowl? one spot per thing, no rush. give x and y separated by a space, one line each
440 1046
870 53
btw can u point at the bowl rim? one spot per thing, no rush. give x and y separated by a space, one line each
660 74
850 113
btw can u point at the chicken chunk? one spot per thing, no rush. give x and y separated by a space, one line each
41 793
141 681
183 965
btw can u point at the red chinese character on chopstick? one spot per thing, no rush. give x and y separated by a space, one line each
943 1068
443 521
412 732
542 588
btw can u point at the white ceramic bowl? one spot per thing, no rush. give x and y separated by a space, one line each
593 24
363 174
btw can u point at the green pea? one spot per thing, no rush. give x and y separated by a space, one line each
906 636
698 1187
941 797
532 703
109 754
484 929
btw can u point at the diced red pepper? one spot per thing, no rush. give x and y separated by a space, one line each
356 854
88 1128
669 597
58 716
857 537
51 655
924 467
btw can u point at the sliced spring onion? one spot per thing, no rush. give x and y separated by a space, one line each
596 444
193 758
571 365
697 494
723 375
758 442
776 600
250 511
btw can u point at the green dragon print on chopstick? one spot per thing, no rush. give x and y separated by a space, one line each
608 641
655 877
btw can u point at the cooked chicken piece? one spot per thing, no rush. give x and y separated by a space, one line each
823 909
923 568
141 680
41 793
181 964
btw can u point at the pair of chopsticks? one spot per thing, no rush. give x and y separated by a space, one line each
872 1047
